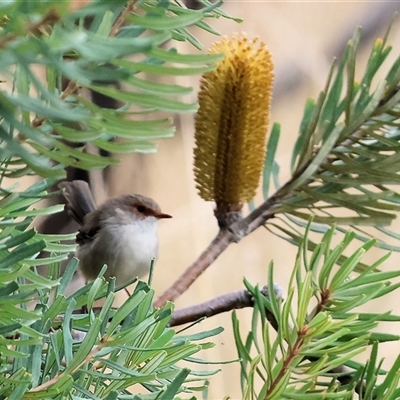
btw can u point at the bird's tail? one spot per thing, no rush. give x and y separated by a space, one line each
79 199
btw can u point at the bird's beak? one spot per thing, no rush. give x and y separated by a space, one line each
162 215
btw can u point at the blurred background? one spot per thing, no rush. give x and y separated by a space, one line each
303 37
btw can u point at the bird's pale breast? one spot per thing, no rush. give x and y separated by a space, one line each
129 250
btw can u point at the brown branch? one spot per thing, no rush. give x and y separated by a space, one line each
227 302
121 19
212 252
294 351
234 233
259 216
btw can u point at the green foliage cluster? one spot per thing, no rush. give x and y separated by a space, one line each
318 330
346 156
83 50
48 57
57 353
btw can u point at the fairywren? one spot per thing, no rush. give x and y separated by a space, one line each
121 233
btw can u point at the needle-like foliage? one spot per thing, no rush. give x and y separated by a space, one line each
319 330
53 351
52 344
345 163
46 126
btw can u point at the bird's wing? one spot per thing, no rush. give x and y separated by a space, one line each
89 229
79 199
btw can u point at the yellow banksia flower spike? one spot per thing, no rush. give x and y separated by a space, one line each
231 123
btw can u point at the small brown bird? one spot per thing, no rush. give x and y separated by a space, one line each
121 233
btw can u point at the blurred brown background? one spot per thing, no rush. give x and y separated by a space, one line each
303 37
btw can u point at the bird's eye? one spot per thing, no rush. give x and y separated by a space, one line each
141 209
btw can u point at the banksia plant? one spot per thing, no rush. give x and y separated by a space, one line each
231 124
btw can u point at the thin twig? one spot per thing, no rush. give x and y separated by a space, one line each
227 302
121 19
264 212
71 88
218 305
48 19
54 380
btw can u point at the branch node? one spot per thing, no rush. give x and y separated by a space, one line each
226 219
